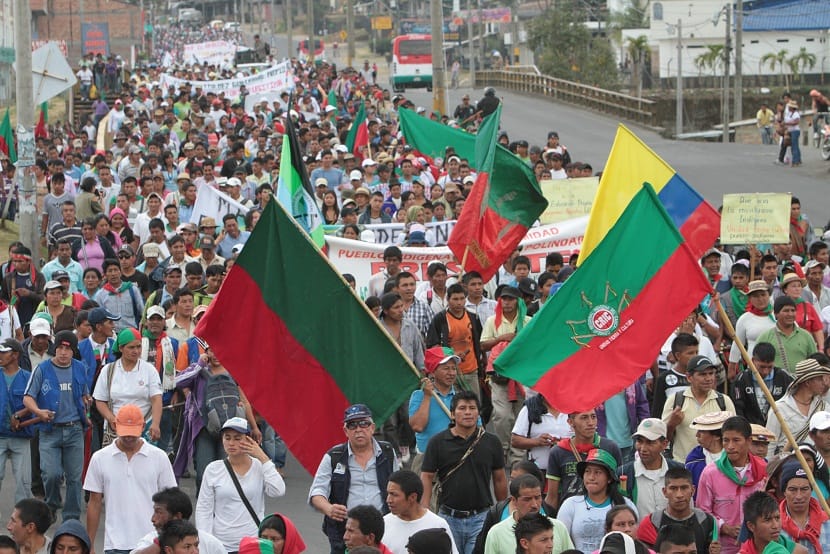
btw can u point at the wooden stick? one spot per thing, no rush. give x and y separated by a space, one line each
760 381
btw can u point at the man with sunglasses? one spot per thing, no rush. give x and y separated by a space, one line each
351 474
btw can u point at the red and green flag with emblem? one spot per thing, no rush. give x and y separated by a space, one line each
7 138
605 326
504 203
299 341
357 141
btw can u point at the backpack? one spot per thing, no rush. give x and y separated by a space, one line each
679 399
222 401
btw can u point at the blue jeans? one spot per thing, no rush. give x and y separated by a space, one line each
796 149
465 531
207 449
16 450
766 134
273 445
62 455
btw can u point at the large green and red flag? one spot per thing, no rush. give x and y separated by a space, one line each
357 141
432 138
606 324
504 203
294 187
7 138
299 341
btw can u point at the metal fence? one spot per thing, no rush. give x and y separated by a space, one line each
622 106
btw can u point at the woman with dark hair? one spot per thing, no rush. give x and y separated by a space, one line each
89 250
104 231
169 171
92 282
281 531
87 203
538 428
331 212
351 231
405 333
121 228
584 515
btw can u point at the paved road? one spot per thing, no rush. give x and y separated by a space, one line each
711 168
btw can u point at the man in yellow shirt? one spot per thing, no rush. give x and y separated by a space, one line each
763 120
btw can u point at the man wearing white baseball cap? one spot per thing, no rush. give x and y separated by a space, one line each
820 433
645 476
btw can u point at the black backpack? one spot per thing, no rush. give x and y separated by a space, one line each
222 401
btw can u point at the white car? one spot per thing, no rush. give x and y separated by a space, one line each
231 26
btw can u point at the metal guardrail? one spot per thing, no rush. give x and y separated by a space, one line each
623 106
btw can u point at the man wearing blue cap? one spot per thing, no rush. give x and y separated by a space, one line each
351 474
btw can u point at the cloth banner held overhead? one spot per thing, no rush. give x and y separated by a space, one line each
215 203
274 78
363 259
389 233
215 52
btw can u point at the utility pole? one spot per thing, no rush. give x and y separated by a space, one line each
24 91
470 44
310 30
739 78
439 66
349 32
726 57
289 28
678 115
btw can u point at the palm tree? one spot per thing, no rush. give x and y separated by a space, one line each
712 59
778 59
637 49
801 60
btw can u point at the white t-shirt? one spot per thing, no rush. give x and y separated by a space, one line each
129 387
556 426
397 531
748 328
586 523
219 509
128 487
208 544
6 323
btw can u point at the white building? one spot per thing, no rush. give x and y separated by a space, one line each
769 26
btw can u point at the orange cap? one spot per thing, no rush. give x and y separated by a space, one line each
129 422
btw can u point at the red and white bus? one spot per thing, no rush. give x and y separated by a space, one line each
411 62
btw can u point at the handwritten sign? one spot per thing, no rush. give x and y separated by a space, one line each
755 218
568 198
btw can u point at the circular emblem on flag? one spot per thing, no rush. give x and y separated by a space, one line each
603 320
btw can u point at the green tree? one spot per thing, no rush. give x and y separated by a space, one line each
800 61
777 59
565 47
711 59
637 48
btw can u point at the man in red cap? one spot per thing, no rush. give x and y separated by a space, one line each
128 472
426 416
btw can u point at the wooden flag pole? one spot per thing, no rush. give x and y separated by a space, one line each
760 381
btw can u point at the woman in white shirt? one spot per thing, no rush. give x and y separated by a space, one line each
128 380
220 510
584 515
